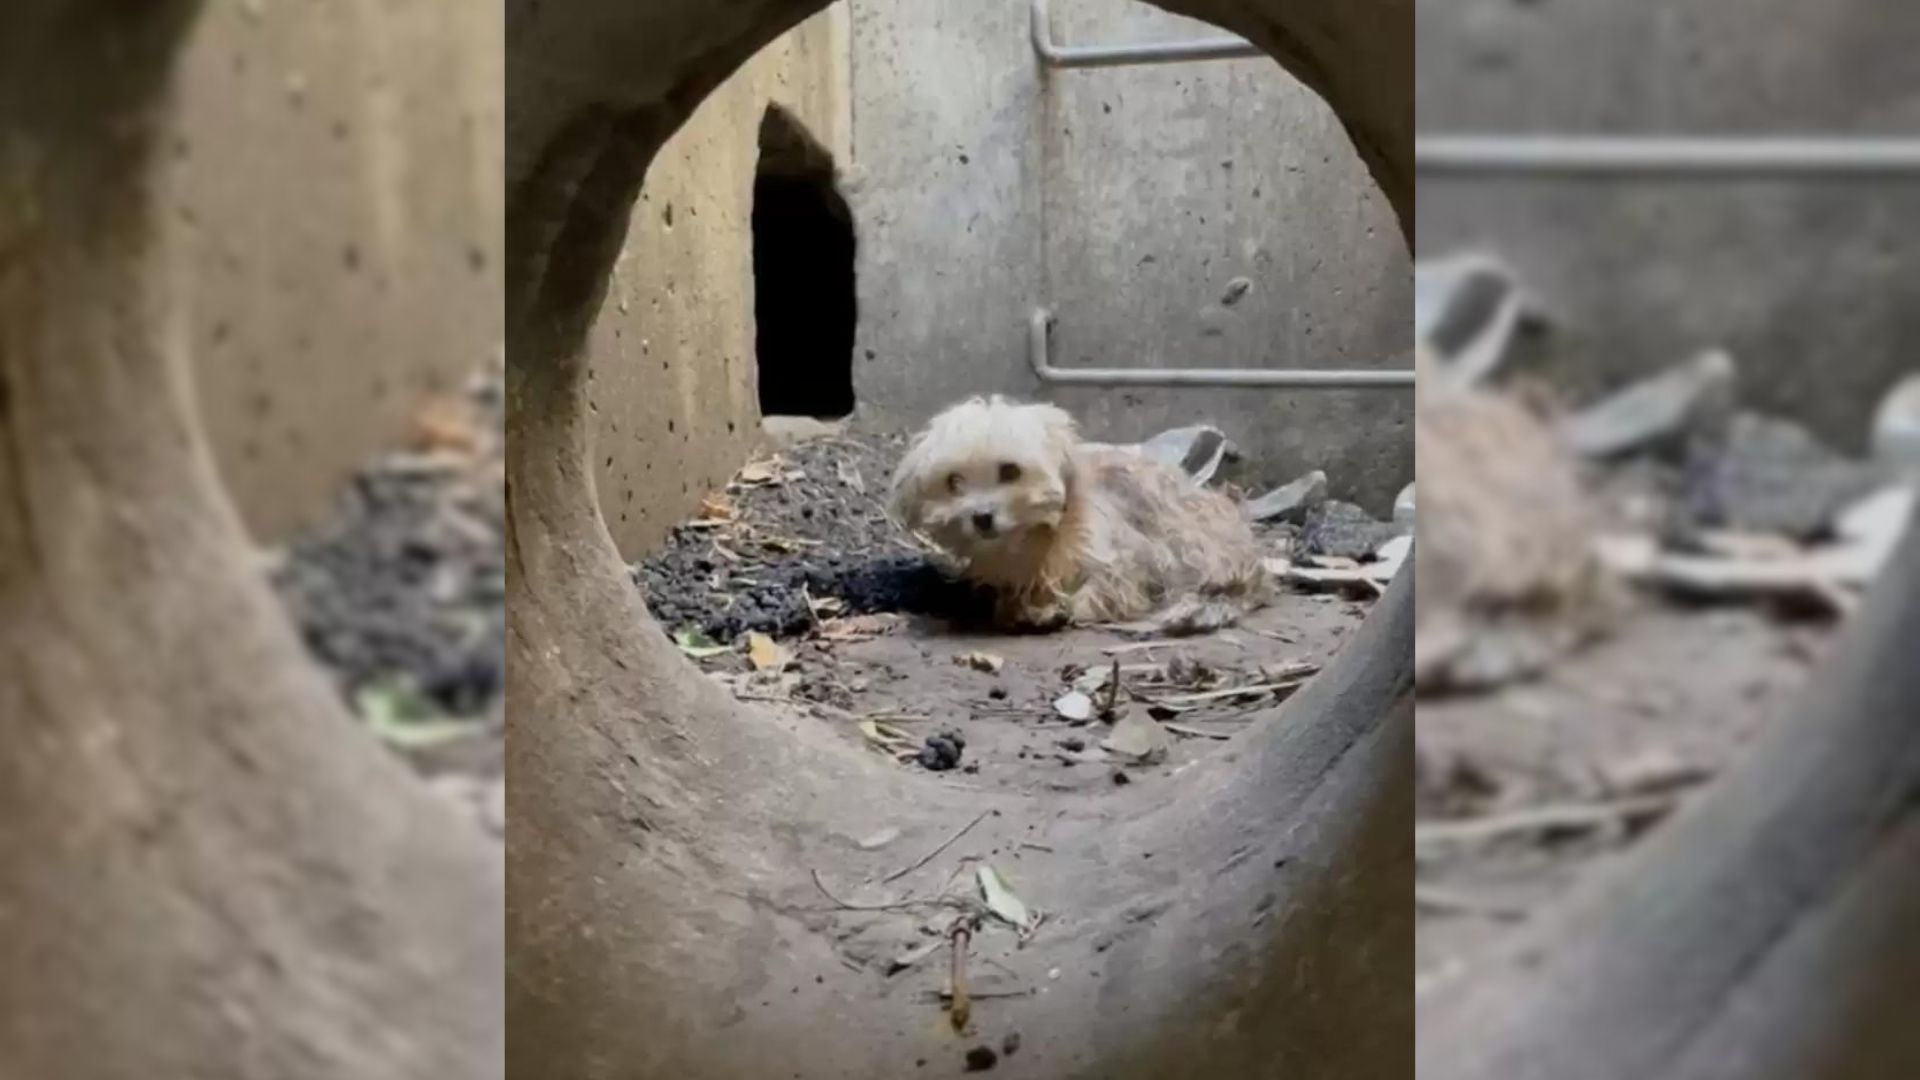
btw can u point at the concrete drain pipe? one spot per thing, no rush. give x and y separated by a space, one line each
662 917
206 868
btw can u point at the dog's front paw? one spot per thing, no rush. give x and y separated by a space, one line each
1037 620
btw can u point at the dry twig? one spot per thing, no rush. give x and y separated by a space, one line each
944 845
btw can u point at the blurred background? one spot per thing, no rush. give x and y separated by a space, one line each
1667 268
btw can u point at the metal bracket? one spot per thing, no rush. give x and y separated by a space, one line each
1039 350
1093 56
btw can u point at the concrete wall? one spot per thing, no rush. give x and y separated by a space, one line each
1127 200
337 200
1813 285
672 376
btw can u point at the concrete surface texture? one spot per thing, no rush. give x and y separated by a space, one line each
1192 215
672 354
1810 283
337 197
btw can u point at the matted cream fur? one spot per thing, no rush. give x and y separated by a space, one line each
1066 531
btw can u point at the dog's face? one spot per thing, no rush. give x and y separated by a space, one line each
987 474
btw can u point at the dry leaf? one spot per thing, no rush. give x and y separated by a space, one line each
882 737
761 472
696 644
1140 738
765 653
717 508
1002 901
444 424
1074 706
980 661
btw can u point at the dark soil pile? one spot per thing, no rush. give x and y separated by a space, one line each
797 536
407 582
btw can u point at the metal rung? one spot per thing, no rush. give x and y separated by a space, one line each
1039 349
1092 56
1670 155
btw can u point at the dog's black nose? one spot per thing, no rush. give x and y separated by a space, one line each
983 523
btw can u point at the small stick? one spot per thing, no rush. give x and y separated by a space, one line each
1137 646
847 906
1447 902
1533 819
1182 729
944 845
982 995
1179 700
961 1008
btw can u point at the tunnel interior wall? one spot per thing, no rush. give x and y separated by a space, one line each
334 208
1809 283
672 383
1137 203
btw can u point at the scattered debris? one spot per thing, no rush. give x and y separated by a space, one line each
944 845
1197 451
1827 575
765 654
1343 530
1770 475
1637 813
1075 706
796 546
981 661
942 751
1658 415
1403 507
408 576
698 645
1654 770
1198 733
889 740
1005 905
398 714
1140 739
912 956
1896 426
888 905
981 1059
959 1005
1289 502
1466 310
1447 902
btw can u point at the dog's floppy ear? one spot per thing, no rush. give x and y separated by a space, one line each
904 498
1062 434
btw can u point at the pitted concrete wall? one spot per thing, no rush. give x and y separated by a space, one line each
673 385
1128 200
337 208
1812 284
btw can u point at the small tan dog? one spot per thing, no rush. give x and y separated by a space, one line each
1072 532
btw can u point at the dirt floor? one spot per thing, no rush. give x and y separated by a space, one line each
793 585
400 595
1635 722
1531 786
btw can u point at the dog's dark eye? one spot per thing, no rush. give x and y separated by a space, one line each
953 481
1009 472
